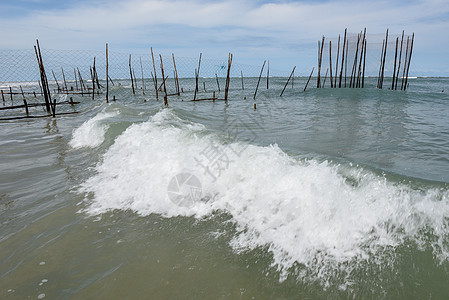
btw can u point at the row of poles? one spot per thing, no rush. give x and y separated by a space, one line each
357 72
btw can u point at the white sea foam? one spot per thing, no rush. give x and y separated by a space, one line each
307 213
91 133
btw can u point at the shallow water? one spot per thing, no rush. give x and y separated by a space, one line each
325 194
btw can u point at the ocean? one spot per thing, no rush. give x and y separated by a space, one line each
322 194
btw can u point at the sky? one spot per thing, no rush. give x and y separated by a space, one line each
285 32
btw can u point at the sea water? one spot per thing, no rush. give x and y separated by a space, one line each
328 193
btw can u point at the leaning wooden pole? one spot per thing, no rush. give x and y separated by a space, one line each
218 83
65 82
320 58
383 62
364 61
131 75
380 65
342 59
310 76
395 60
336 64
57 84
143 81
93 83
198 73
399 62
176 74
45 90
409 60
258 81
228 76
291 74
163 75
107 74
155 76
405 62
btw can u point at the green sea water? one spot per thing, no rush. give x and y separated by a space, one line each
328 193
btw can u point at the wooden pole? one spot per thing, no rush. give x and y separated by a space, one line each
342 59
155 76
336 64
364 60
394 66
23 95
163 76
135 79
260 75
65 82
218 83
320 57
76 79
198 72
131 75
291 74
354 65
26 106
228 77
405 62
362 52
346 60
325 76
107 74
143 82
268 73
3 98
330 64
380 64
383 62
310 76
409 60
10 95
93 83
176 74
399 63
57 84
45 90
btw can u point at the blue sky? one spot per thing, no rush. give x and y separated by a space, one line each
286 32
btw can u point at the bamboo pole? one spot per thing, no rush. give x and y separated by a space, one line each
176 74
399 63
310 76
155 76
143 82
395 59
260 75
163 76
330 64
107 74
409 60
131 75
342 59
291 74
